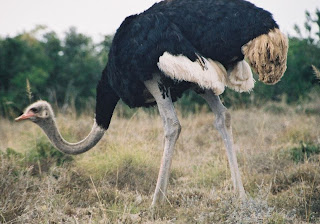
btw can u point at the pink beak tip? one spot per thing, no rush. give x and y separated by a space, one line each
18 118
24 117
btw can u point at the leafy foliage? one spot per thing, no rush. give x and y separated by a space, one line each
42 156
64 71
44 152
304 151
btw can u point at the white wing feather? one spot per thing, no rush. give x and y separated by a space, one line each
210 75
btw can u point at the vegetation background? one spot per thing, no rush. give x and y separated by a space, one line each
276 130
65 71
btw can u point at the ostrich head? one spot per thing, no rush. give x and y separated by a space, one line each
267 55
42 114
38 112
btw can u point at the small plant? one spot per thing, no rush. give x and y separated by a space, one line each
316 71
276 218
28 90
44 155
304 151
45 151
11 153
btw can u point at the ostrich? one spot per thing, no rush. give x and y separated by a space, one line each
171 47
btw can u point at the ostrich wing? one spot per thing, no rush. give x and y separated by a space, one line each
207 73
164 45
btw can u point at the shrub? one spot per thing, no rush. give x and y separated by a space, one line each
304 151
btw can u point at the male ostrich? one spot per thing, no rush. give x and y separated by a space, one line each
171 47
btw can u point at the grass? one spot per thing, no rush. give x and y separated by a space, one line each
278 152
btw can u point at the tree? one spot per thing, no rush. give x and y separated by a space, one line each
22 58
64 71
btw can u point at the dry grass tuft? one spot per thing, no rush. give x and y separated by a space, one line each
316 71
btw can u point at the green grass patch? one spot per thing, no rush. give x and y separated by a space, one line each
11 154
43 151
123 167
212 173
275 109
41 156
303 152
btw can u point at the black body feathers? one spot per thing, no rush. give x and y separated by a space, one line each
215 29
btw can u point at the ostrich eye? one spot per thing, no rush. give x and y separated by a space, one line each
34 110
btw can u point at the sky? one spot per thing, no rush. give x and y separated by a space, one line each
97 18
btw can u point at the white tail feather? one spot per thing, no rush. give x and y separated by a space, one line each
240 78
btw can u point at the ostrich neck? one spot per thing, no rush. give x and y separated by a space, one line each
51 130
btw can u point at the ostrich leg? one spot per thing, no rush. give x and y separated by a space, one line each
223 124
171 133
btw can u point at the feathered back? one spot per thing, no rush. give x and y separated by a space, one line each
215 29
267 55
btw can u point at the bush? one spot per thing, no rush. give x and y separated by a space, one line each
304 151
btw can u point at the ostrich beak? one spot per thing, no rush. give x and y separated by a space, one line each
25 116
